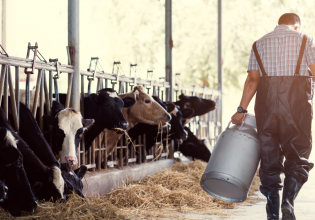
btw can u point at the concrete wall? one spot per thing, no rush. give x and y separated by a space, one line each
101 182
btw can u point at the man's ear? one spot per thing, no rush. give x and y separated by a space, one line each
50 120
128 102
87 123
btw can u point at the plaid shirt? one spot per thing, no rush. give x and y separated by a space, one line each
279 52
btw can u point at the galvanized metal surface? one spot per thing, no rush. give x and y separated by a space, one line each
74 49
168 49
220 59
233 163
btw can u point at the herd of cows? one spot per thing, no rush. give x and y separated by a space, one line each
31 169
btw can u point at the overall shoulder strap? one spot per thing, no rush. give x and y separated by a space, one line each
298 65
259 60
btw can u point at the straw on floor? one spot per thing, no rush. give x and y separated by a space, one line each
176 189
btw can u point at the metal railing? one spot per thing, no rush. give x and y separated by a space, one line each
206 126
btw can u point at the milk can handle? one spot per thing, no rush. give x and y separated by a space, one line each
238 128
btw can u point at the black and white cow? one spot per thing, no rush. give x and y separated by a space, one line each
106 109
199 105
3 191
68 128
195 148
46 181
73 179
177 131
15 191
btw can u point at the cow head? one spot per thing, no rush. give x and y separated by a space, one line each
19 193
52 188
109 108
199 105
178 132
68 128
73 179
146 109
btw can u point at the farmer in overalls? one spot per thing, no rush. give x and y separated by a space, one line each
278 72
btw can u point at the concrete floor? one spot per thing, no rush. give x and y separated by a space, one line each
304 203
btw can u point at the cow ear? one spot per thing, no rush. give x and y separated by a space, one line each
87 123
56 108
128 102
50 120
9 155
187 113
170 107
80 172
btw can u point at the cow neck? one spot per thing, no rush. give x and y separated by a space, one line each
113 137
97 127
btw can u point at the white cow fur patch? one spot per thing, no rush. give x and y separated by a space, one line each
69 122
10 138
58 180
112 94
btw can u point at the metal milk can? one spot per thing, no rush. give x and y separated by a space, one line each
233 163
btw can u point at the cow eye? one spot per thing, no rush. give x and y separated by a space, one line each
147 101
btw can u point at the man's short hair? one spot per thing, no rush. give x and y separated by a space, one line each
289 19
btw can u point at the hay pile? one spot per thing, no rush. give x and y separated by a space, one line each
74 208
176 189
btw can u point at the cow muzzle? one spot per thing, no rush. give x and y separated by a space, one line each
71 160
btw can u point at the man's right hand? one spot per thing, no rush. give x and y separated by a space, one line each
238 118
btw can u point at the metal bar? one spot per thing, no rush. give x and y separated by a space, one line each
47 97
56 90
120 156
17 95
89 86
74 44
99 159
168 48
220 58
6 94
139 151
39 78
70 77
105 146
93 154
144 158
2 79
50 87
41 102
12 97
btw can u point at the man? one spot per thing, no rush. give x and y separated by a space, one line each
278 72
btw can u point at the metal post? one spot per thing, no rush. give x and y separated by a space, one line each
4 24
73 43
220 59
168 49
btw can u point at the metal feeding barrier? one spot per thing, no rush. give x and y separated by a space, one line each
205 126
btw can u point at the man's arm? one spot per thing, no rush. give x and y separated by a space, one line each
249 91
312 68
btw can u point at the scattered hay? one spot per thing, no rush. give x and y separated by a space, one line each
74 208
158 196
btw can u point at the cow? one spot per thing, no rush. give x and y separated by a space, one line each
15 191
73 179
3 191
195 148
67 130
145 110
177 131
199 105
105 108
46 182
